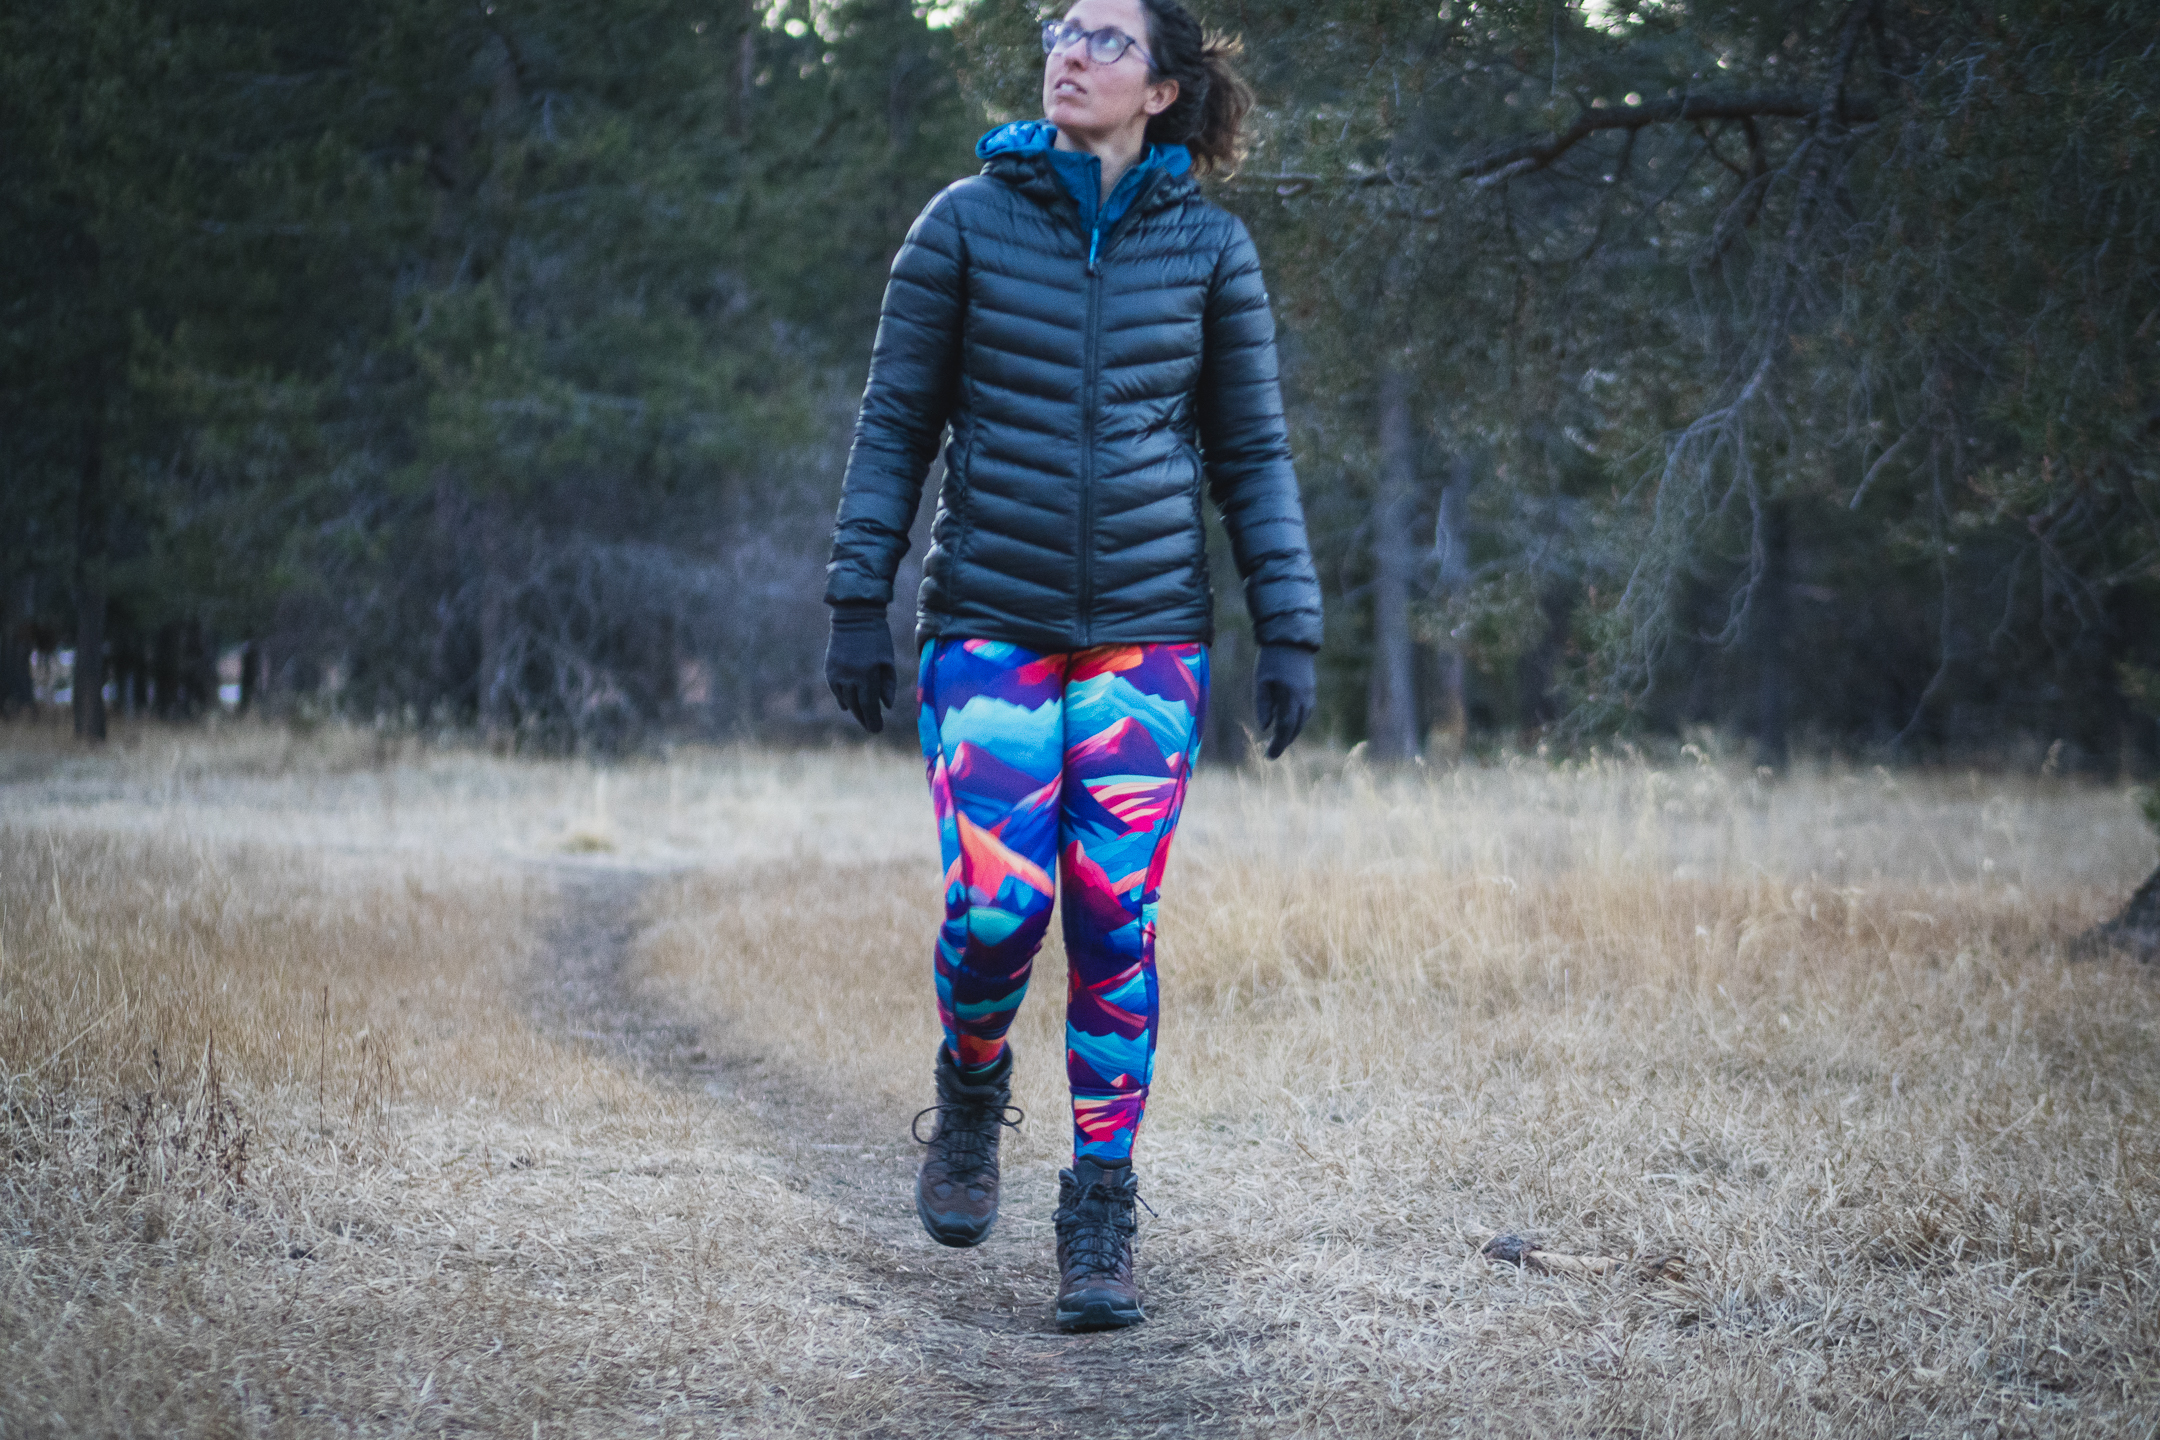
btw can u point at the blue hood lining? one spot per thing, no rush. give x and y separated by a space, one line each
1021 137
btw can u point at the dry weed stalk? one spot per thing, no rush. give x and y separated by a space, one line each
1519 1250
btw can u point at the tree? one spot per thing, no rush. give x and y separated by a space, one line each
136 196
1742 306
487 358
1780 366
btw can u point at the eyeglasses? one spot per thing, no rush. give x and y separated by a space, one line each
1106 46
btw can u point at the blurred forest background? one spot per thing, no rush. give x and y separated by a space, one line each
1784 371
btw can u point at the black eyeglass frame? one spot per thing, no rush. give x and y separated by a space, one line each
1057 34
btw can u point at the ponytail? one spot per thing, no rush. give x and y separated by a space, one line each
1213 98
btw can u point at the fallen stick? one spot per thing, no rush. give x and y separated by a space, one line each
1516 1250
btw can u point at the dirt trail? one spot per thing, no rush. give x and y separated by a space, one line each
985 1313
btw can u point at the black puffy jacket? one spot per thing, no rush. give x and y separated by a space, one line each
1085 405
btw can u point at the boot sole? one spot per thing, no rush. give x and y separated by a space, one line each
1098 1315
960 1236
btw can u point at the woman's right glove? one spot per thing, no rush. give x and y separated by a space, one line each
859 663
1285 693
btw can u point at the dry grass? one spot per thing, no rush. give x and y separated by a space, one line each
1816 1037
283 1151
358 792
286 1152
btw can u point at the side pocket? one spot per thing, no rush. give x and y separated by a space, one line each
963 454
949 527
1198 491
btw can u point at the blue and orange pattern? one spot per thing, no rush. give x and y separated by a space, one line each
1074 762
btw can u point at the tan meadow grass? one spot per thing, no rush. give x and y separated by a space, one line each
1816 1036
283 1152
286 1152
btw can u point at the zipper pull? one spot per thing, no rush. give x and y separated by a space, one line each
1094 245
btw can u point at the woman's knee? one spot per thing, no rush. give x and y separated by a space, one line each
991 942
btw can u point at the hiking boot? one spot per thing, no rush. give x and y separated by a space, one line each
1095 1225
956 1191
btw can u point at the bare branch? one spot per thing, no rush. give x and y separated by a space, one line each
1525 155
1710 140
1747 105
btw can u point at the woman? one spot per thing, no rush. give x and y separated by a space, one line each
1097 340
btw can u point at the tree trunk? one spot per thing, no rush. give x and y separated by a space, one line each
165 672
746 73
17 687
1451 565
495 686
198 669
1772 634
1392 716
89 679
1538 675
123 662
2135 928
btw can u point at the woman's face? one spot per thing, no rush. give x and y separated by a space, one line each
1087 100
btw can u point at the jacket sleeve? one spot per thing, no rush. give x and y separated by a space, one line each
914 372
1246 446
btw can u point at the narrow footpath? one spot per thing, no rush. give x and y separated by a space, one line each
989 1312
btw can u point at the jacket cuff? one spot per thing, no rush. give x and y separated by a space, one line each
857 616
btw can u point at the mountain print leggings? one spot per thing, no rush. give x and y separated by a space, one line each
1077 761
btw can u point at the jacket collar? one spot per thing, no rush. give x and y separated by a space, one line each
1019 155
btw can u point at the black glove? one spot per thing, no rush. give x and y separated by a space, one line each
1284 693
859 663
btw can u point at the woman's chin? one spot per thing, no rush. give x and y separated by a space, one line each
1071 118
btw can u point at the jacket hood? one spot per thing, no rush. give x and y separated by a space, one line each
1021 137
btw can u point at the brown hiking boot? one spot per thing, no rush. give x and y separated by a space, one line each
956 1191
1095 1225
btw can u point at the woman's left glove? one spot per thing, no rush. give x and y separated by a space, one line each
1285 693
859 663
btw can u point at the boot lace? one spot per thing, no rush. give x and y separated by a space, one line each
965 1132
1097 1226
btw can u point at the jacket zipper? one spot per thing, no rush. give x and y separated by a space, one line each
1089 381
1090 385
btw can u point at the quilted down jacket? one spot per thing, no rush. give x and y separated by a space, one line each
1088 405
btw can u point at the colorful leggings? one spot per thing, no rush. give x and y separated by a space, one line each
1076 759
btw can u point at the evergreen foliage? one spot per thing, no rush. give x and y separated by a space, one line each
1782 367
1795 361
